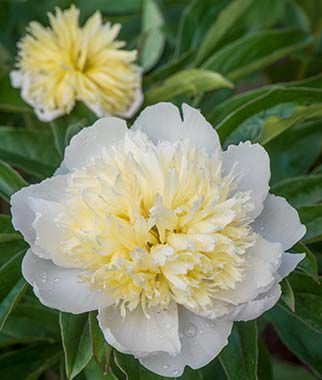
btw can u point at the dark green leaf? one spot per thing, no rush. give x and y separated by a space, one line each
132 369
31 150
220 112
226 19
11 300
152 34
30 323
278 95
275 125
28 363
195 21
264 362
10 99
7 232
254 52
308 300
76 342
300 191
288 371
300 339
295 151
10 181
287 294
311 216
309 265
101 350
10 274
239 358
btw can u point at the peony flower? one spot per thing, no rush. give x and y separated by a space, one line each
169 237
65 63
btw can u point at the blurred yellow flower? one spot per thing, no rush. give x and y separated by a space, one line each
65 63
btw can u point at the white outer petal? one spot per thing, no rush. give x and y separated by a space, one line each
289 263
61 288
23 216
279 222
251 163
138 335
197 351
263 260
255 308
91 142
162 122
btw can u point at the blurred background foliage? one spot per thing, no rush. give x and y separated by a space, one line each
254 68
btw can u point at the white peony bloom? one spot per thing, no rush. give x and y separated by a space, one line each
169 237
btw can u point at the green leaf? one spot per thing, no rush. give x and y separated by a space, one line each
186 82
7 232
288 371
28 363
11 300
220 112
195 21
309 265
300 191
254 52
287 294
93 372
31 150
311 216
132 369
264 362
277 95
275 125
76 342
101 350
31 323
10 181
10 99
153 37
10 274
239 358
298 338
294 152
308 300
225 21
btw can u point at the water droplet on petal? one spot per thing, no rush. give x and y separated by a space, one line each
190 330
175 372
201 332
166 366
43 277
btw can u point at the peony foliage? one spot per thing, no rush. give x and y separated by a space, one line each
185 241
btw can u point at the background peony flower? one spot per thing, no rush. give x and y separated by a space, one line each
169 237
65 63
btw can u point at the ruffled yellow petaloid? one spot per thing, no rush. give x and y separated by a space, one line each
65 62
154 223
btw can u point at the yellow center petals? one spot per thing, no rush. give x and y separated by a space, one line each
154 223
65 62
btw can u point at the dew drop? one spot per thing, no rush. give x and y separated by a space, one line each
190 330
166 366
201 332
175 372
43 277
